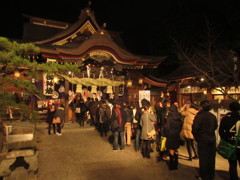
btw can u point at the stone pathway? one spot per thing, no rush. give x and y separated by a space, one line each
81 154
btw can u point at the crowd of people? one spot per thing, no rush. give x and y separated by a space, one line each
147 127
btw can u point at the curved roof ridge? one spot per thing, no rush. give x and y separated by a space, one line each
86 15
97 40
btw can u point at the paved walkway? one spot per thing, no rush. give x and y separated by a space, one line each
81 154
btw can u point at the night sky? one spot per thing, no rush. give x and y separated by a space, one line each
146 25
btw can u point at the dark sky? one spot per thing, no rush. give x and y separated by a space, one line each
150 21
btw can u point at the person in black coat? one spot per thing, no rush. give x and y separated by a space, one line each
228 131
104 114
203 130
61 114
50 116
173 129
159 113
80 111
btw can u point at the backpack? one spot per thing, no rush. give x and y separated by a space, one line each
105 117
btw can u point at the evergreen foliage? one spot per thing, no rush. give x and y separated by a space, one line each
14 57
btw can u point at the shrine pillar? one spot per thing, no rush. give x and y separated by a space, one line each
66 99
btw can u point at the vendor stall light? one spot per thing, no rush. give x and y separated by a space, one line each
55 80
189 87
17 74
129 83
204 92
161 94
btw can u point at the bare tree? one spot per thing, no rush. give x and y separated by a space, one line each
216 64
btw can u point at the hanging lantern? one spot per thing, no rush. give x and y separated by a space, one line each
140 81
109 90
93 89
79 88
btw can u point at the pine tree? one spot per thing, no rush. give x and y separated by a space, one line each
15 59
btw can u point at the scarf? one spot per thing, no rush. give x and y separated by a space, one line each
119 116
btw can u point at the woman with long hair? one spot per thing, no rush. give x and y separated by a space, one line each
173 129
50 115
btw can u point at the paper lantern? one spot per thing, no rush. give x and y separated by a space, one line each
94 89
109 90
79 88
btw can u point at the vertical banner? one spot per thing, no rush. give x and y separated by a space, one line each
144 94
48 85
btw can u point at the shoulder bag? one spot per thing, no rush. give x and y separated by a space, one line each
152 133
56 120
227 150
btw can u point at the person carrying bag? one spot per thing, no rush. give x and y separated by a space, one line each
59 119
151 134
229 146
148 132
227 150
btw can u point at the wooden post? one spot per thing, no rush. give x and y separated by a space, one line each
66 99
116 98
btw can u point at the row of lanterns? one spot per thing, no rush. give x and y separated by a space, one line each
130 82
94 89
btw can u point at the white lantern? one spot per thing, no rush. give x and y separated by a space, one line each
79 88
94 89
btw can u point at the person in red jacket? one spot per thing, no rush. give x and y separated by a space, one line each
118 120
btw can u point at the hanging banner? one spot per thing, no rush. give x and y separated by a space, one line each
121 90
144 94
48 84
